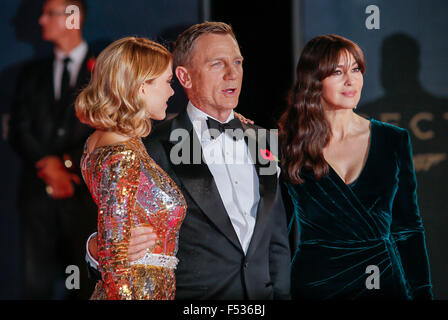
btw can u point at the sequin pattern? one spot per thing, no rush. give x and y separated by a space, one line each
130 190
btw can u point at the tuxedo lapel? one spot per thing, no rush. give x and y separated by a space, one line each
198 181
48 86
47 108
267 183
84 73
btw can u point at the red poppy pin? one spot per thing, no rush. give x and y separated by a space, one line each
91 64
268 155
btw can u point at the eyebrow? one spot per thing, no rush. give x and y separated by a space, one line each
342 65
223 58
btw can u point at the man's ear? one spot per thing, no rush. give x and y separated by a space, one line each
183 76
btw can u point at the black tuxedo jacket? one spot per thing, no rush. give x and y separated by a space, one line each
212 263
42 126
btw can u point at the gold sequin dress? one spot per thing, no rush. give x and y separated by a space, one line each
130 190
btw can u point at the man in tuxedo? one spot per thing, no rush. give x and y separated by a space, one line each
233 242
56 210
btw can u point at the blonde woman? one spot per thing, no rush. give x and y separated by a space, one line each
130 86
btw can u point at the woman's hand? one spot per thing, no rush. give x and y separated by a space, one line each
242 118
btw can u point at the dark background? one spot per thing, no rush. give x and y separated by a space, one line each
405 84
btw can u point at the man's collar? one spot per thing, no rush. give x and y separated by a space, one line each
199 120
196 114
77 54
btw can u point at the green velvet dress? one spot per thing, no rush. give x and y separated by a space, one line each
342 229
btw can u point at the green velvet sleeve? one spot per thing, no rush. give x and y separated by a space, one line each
407 227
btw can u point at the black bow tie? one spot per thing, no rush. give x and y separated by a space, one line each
228 127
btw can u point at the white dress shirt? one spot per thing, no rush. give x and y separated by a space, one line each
232 168
77 56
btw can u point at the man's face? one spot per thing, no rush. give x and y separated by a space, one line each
216 73
53 20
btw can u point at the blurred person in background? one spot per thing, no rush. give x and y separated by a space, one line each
56 211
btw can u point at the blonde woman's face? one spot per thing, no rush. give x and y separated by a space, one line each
157 93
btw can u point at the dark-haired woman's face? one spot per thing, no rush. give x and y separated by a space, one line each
342 89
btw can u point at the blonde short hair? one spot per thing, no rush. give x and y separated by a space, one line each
111 100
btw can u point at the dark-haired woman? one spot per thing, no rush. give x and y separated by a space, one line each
352 185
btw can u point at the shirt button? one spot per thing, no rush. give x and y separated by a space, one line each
60 132
68 164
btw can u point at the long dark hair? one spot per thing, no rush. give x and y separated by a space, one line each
304 130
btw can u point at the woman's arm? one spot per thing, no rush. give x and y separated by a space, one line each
407 227
117 191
